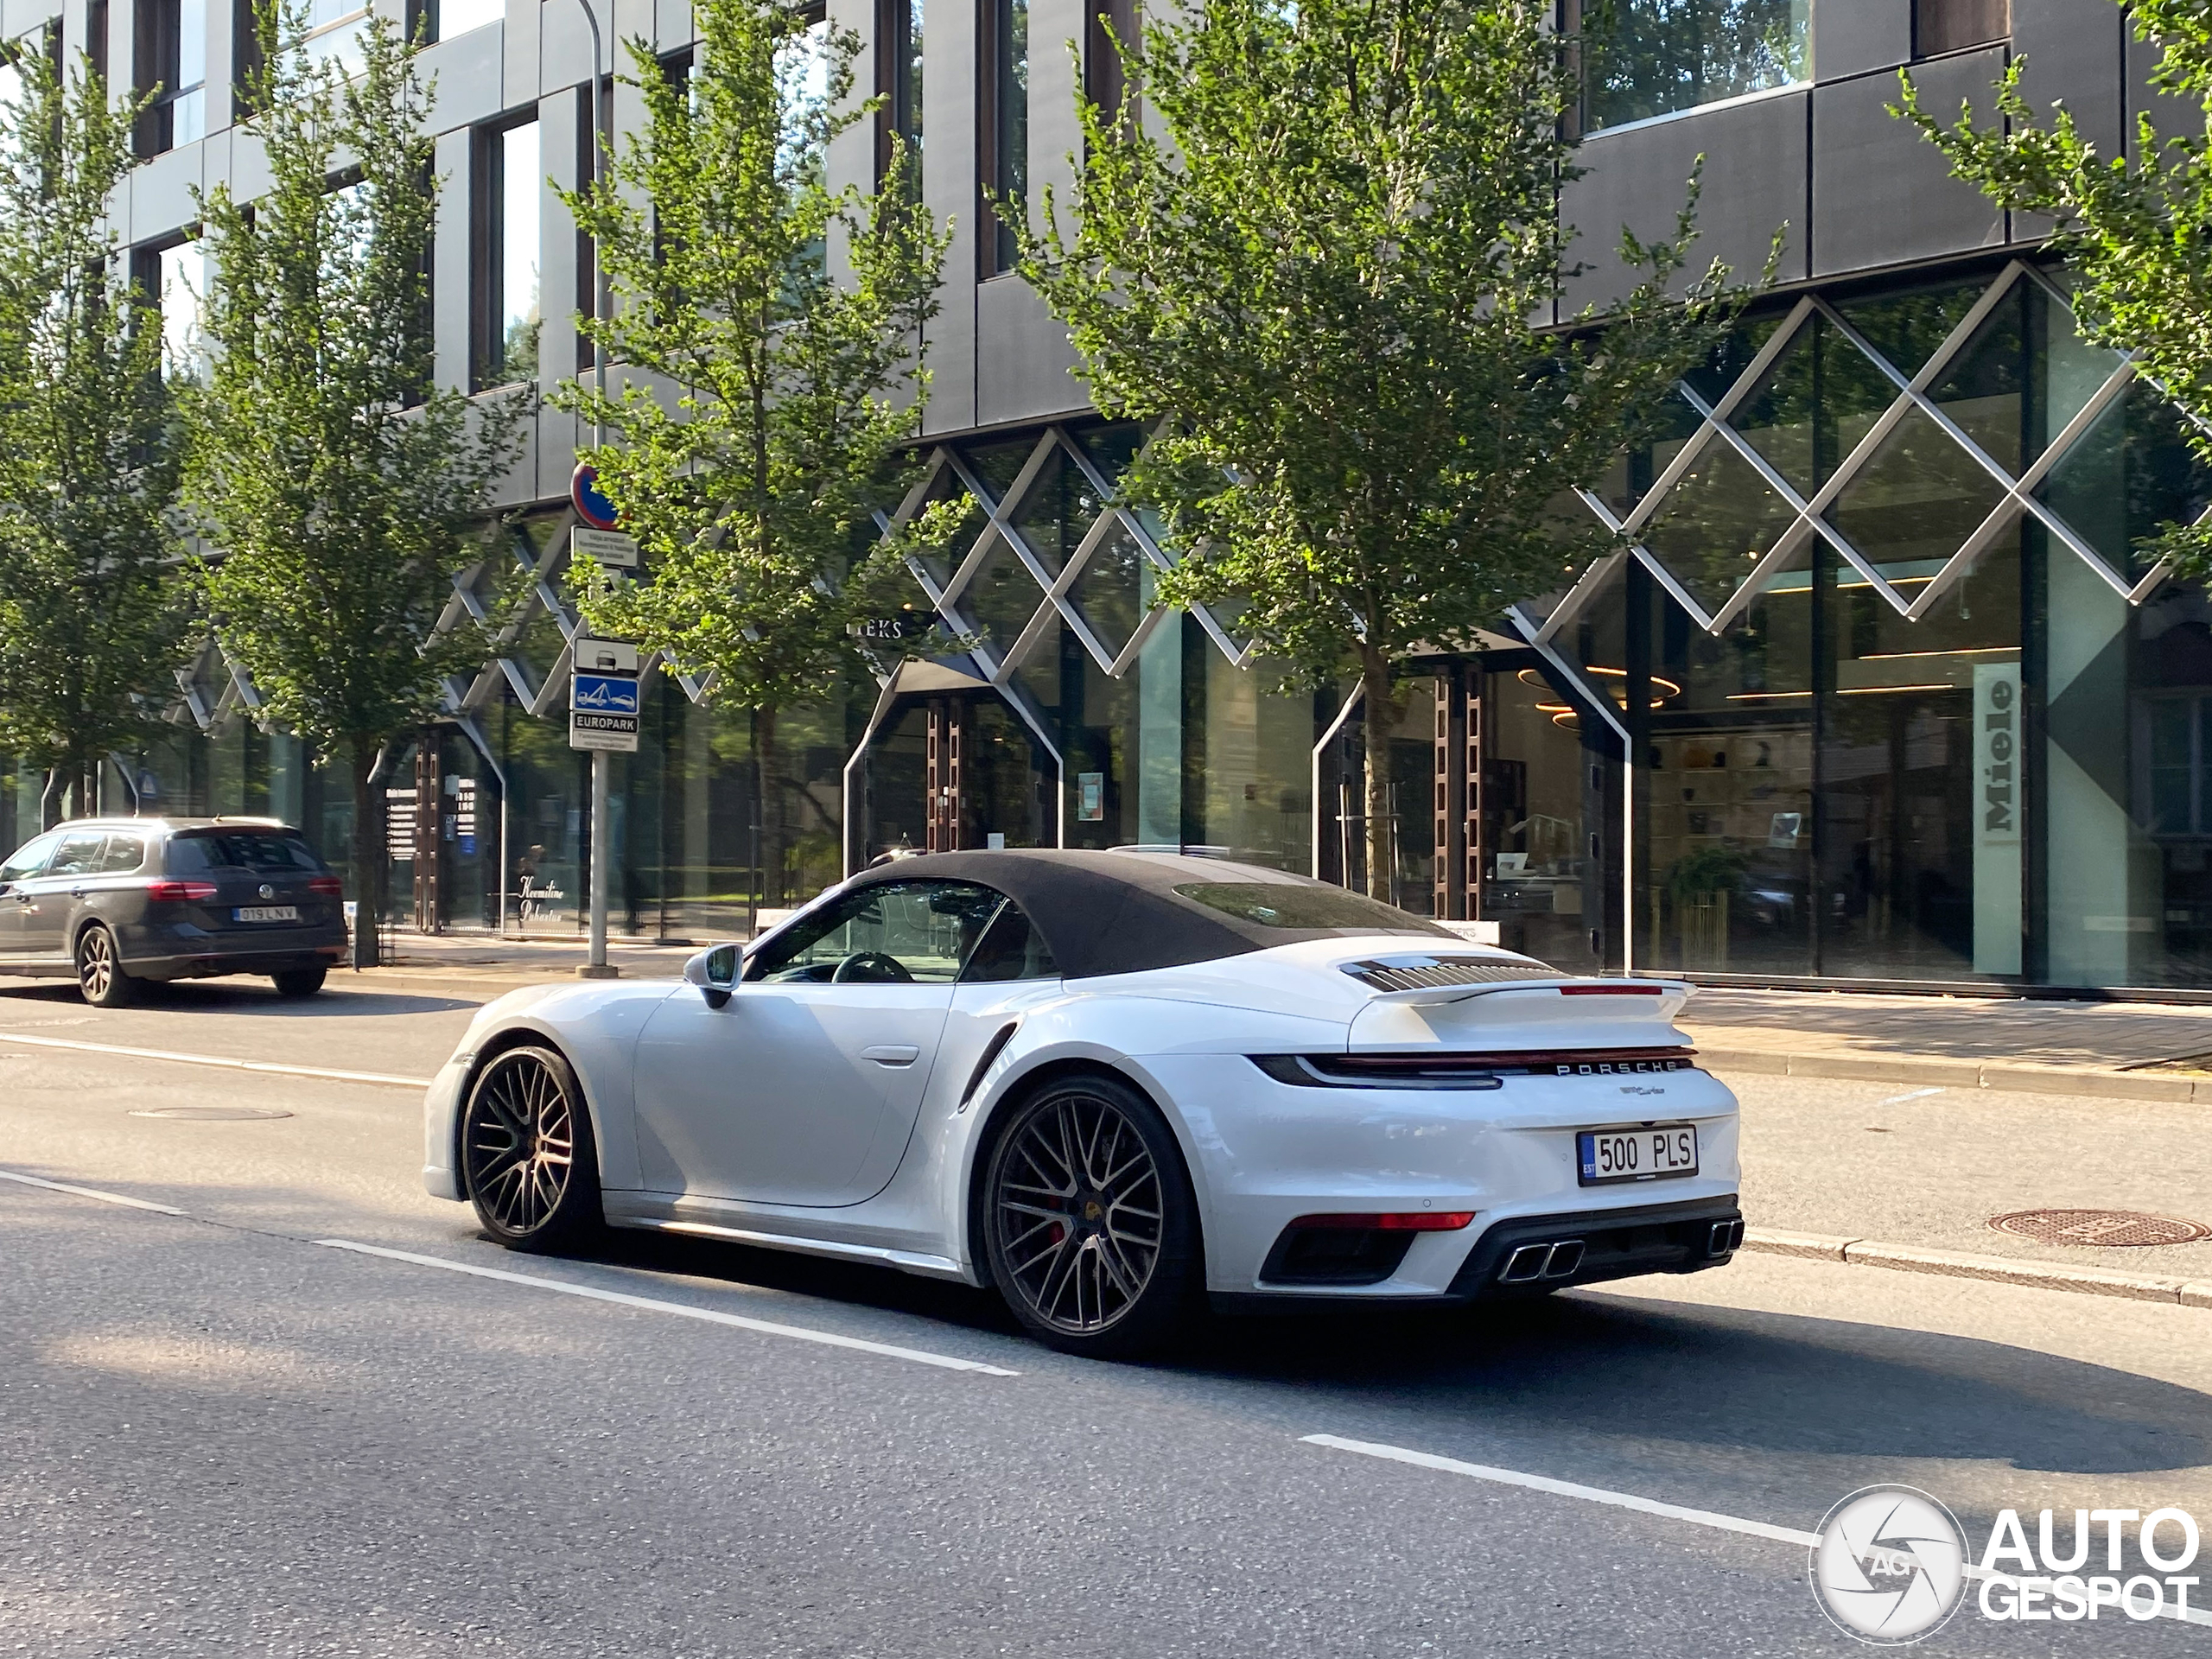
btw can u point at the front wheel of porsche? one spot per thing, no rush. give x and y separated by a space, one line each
1089 1225
527 1153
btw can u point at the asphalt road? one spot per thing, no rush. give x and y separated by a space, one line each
220 1436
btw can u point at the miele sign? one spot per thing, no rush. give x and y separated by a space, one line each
1998 755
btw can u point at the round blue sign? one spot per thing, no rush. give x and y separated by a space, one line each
593 508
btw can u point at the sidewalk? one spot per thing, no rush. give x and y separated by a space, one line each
482 966
2128 1050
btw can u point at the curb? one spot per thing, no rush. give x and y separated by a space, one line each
1997 1270
2018 1077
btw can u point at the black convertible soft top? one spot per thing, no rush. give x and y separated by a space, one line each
1119 912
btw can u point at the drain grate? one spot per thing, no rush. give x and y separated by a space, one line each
2106 1228
209 1113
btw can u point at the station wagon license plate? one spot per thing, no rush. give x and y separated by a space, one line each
266 913
1605 1156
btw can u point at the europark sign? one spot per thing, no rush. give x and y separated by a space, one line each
603 680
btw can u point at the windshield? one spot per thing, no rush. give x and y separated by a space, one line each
1295 906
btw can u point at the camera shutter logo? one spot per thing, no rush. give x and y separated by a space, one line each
1888 1567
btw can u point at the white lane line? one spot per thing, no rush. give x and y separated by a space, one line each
1566 1489
1916 1094
1642 1505
712 1316
89 1192
223 1061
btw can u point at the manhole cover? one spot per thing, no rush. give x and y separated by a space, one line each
209 1113
2108 1228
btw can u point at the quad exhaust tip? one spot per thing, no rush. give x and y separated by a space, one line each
1530 1263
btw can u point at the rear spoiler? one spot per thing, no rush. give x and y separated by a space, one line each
1446 979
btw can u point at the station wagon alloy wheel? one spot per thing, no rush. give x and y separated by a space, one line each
99 976
526 1147
1085 1229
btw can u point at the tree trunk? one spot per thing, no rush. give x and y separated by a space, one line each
368 855
771 807
88 789
1377 716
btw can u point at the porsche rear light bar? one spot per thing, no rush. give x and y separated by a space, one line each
1439 1068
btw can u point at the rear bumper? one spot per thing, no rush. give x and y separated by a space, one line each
199 963
1543 1253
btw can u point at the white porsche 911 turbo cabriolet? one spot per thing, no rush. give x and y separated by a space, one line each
1108 1084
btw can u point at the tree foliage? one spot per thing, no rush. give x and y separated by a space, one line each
1328 253
2136 228
769 326
341 490
90 611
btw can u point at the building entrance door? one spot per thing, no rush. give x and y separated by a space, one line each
953 771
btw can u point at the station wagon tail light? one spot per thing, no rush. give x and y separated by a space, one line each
1422 1220
328 887
180 892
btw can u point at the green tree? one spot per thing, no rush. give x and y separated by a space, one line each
1324 254
340 490
770 328
2136 228
90 611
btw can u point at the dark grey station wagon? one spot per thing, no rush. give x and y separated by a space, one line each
117 901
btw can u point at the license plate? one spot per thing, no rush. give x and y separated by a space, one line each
1605 1156
266 913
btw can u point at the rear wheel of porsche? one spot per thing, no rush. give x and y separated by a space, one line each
1089 1225
527 1153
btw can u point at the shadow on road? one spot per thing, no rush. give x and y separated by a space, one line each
243 996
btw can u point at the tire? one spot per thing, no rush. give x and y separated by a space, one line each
528 1159
300 982
1089 1225
100 978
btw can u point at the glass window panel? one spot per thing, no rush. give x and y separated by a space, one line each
1982 388
1912 504
1113 446
1629 478
2129 475
1058 511
1776 415
2173 722
1009 129
1114 591
1713 377
1716 523
1001 596
942 557
1906 327
183 279
521 183
999 464
1651 57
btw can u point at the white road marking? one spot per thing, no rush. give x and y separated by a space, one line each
223 1061
89 1192
1642 1505
713 1316
1917 1094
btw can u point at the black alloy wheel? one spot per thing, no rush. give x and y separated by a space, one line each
526 1152
1088 1222
100 977
300 982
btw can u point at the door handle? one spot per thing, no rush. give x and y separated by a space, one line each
892 1053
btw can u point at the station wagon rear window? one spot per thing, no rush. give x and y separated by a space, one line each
1290 906
241 849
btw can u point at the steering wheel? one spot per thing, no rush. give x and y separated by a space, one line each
871 966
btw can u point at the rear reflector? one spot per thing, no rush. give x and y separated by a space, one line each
327 887
1425 1221
178 892
1612 990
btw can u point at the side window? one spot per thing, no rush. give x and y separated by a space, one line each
895 932
1010 949
30 859
79 855
123 854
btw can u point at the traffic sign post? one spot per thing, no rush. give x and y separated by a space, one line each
603 711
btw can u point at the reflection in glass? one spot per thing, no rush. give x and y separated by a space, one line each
1914 502
1716 523
999 596
1652 57
2126 478
1058 511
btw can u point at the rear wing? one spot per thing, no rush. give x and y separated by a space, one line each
1429 980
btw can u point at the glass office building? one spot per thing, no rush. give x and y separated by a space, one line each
1881 686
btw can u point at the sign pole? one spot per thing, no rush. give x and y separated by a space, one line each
596 966
603 717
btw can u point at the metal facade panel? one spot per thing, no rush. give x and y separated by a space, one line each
1755 181
1884 195
1022 356
470 75
1856 36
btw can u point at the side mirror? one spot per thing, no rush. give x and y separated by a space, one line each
715 971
